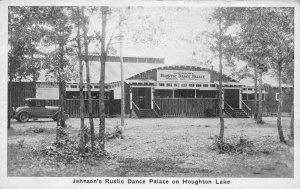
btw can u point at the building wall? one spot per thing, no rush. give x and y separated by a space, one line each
115 104
19 91
270 104
179 107
152 74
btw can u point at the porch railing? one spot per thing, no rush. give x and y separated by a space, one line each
226 106
156 109
135 106
246 109
136 109
228 109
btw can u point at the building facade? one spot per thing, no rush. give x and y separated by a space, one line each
155 90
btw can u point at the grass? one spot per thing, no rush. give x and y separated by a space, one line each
156 147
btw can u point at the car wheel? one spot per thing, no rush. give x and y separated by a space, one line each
23 117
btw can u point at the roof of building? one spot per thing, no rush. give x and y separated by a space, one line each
131 69
136 65
113 70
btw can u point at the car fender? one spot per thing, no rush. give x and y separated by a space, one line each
18 113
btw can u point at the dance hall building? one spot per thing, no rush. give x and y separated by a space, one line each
153 89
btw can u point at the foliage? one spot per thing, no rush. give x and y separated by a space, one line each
232 144
25 35
209 112
239 144
66 149
59 64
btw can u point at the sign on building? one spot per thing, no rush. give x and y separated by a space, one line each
178 75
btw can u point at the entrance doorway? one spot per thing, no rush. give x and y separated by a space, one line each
232 97
142 97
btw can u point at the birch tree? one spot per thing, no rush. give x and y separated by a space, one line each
221 46
85 23
104 12
269 35
78 23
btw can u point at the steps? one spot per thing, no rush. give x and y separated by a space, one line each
146 113
236 113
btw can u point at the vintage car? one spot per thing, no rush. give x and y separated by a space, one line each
35 108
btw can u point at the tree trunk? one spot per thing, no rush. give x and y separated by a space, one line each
61 86
279 126
88 80
81 107
255 93
259 115
102 81
221 136
122 74
292 123
9 104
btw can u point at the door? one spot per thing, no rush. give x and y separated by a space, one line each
232 97
142 97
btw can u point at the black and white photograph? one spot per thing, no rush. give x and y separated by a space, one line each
163 94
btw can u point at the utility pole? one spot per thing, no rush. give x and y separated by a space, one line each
122 72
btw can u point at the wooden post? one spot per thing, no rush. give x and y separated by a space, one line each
122 74
130 97
152 99
240 99
223 100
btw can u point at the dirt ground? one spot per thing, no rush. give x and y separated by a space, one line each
162 147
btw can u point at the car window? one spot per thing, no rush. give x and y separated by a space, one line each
31 103
42 103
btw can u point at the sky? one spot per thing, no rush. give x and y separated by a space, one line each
173 33
176 34
171 28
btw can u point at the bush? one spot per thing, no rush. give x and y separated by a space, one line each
209 112
232 144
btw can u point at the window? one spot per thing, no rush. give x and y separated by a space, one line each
251 97
184 85
212 85
206 94
73 86
205 85
184 93
169 84
161 84
42 103
163 93
31 103
72 94
176 85
191 85
198 85
250 89
96 87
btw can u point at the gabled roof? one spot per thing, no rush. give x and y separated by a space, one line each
113 70
131 66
